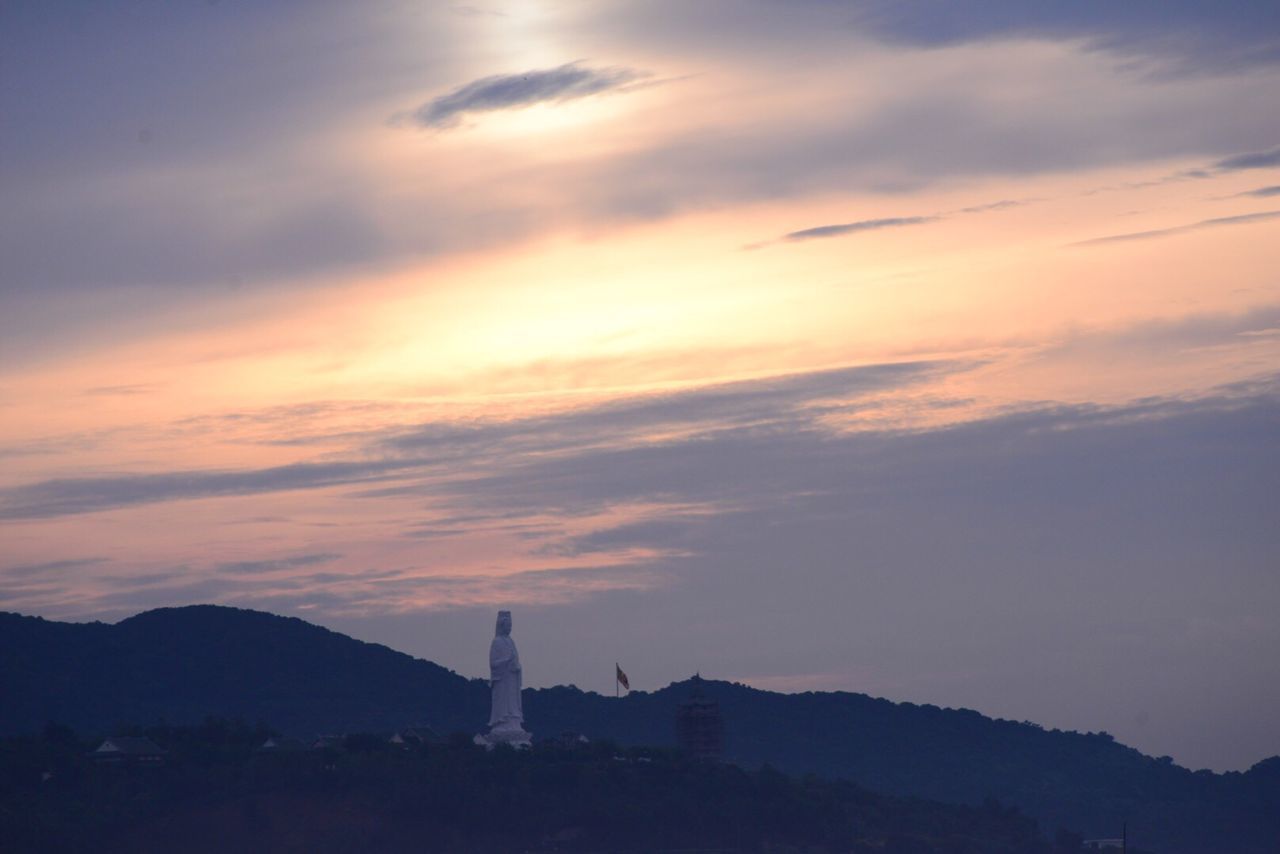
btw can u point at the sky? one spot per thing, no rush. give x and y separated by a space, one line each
926 350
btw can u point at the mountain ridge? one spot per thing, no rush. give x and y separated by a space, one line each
182 664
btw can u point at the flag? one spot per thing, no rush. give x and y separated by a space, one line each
622 677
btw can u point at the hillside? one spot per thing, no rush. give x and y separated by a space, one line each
181 664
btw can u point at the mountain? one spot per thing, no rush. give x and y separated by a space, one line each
182 664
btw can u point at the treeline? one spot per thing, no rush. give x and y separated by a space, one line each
216 791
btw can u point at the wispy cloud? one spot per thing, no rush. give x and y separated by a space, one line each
381 592
1250 160
512 91
1241 219
427 448
69 496
839 229
1003 204
1192 37
439 457
1261 192
821 232
119 390
52 567
254 567
428 532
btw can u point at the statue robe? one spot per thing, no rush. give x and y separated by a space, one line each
505 679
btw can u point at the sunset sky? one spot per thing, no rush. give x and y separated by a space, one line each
929 350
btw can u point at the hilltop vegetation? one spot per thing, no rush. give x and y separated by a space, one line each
216 794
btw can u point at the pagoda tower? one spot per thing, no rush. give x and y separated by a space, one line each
699 726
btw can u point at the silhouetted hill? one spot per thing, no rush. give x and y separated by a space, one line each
1086 782
181 664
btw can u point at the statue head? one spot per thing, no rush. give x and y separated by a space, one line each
504 622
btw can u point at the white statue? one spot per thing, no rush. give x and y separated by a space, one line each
506 717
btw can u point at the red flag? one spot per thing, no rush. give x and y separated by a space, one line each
622 677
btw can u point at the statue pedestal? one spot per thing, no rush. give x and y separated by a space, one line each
512 734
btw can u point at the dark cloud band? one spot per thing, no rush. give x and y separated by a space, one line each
1191 35
1251 160
773 402
512 91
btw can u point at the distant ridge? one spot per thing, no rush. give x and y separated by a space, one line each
180 665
